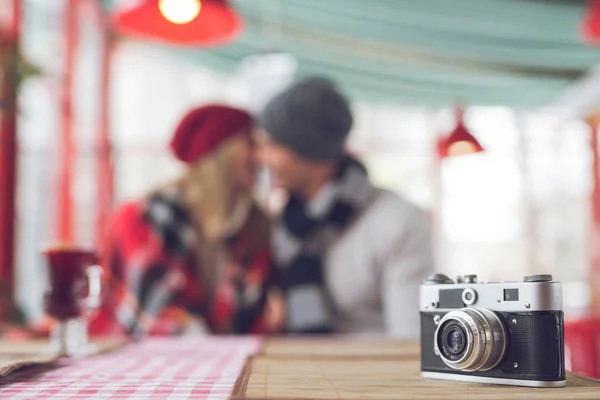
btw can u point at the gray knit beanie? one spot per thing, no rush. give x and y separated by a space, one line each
312 118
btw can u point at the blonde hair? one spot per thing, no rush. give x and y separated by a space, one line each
212 194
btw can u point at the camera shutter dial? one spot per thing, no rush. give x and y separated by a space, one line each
538 278
435 279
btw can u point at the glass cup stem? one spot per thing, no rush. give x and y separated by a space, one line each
61 338
69 337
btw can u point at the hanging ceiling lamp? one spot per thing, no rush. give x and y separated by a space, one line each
460 141
591 22
185 22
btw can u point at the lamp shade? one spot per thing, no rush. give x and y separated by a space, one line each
590 28
216 23
460 141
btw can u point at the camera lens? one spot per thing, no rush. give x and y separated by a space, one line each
455 340
471 339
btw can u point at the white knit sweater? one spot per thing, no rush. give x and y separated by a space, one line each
373 272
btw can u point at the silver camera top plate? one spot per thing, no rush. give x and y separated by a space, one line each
531 296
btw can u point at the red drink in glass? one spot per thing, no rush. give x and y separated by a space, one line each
68 283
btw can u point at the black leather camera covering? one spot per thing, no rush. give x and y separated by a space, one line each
535 344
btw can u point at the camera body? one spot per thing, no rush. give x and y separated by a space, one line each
509 333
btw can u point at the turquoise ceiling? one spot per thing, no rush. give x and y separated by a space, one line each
520 53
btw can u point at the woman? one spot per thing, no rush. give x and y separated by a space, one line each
193 256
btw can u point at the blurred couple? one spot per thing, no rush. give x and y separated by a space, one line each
200 255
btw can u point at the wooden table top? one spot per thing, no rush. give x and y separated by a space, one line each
346 348
300 369
361 369
15 355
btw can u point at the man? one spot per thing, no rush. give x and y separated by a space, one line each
351 256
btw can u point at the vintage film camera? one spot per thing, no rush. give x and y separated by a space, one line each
509 333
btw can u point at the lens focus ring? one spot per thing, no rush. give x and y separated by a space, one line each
471 339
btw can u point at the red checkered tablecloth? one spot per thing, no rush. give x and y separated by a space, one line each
174 368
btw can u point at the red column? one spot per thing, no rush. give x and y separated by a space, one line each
67 144
8 161
595 216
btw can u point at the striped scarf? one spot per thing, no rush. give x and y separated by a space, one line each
302 238
171 288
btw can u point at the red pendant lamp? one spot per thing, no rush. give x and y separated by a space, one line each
185 22
591 22
460 141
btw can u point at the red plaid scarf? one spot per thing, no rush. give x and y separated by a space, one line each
156 287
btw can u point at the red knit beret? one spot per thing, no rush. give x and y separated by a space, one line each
204 128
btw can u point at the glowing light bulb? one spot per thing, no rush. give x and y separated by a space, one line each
461 148
179 11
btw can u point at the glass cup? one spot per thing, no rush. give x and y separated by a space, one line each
73 295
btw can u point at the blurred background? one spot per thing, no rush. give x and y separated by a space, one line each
91 95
